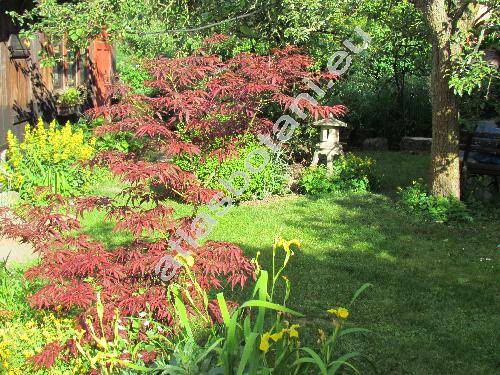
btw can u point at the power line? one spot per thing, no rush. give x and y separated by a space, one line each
190 30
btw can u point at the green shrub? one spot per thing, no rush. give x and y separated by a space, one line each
70 97
417 200
272 180
375 112
122 141
13 291
132 72
24 331
350 173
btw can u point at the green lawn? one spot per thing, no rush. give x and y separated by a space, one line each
435 302
433 308
398 169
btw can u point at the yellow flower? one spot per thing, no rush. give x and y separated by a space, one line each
295 242
256 262
292 331
11 138
280 242
264 342
79 333
322 335
44 145
24 337
341 312
186 260
278 335
4 344
46 334
86 152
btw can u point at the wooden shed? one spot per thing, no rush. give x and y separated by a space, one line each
27 90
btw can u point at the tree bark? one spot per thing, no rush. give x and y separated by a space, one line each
445 163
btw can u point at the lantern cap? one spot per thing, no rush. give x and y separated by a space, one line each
330 122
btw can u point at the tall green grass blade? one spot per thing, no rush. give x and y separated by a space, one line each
247 328
359 291
271 306
223 308
336 365
247 351
347 364
313 358
209 350
261 286
180 309
349 331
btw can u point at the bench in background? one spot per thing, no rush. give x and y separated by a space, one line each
480 154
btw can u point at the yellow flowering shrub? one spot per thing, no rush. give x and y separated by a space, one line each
20 341
48 156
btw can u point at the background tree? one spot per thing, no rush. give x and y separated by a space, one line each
399 47
447 20
387 86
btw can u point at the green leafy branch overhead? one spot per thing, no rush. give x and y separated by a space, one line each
476 30
82 21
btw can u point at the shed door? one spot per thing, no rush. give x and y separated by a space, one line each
102 70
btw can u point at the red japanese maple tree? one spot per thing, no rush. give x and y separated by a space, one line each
201 105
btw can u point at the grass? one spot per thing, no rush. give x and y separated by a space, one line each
434 305
399 169
433 308
13 290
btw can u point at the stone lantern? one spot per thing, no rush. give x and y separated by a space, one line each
329 147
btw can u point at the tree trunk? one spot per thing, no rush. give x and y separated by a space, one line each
445 164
